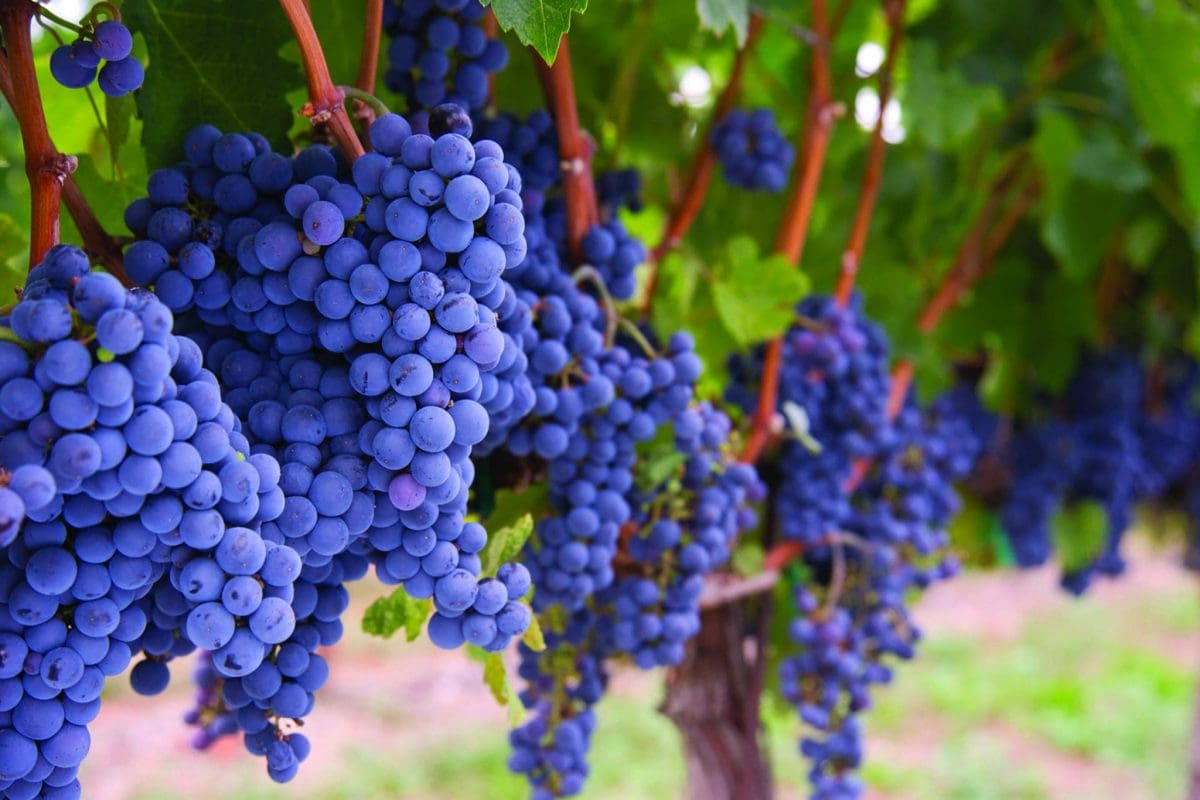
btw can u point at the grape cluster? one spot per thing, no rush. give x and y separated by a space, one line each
75 65
438 52
530 145
753 153
686 527
354 318
833 390
1102 442
142 522
619 188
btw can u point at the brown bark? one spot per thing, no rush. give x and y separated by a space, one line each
713 698
1194 770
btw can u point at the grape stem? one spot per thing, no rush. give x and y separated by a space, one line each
979 249
45 13
793 231
491 28
45 167
96 241
326 104
574 147
368 60
589 274
876 151
699 175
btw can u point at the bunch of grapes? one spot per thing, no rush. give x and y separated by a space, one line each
109 42
439 52
833 388
753 153
144 510
854 616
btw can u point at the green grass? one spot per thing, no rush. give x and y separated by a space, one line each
1083 684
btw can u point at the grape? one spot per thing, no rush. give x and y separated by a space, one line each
440 58
69 69
752 151
112 41
119 78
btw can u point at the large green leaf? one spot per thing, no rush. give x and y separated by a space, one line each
756 295
214 62
339 26
540 24
1158 45
941 106
389 614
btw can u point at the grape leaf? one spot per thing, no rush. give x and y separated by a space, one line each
1079 531
389 614
657 459
197 70
495 677
717 15
540 24
756 296
1155 43
943 108
533 637
340 29
505 543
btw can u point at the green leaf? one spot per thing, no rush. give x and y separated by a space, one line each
540 24
1143 238
340 28
756 296
1057 139
505 543
215 62
1157 43
658 459
1079 229
495 677
1079 531
12 269
389 614
1106 161
508 506
943 107
533 637
717 15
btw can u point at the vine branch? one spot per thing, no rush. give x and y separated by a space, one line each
368 60
876 151
574 147
96 241
979 249
45 167
793 230
325 105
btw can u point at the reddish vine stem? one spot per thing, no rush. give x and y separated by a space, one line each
876 151
793 231
691 200
574 147
368 60
491 28
45 167
326 102
96 241
978 250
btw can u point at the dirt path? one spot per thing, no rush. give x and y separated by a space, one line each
388 697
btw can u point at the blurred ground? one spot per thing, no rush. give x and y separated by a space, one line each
1019 693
